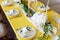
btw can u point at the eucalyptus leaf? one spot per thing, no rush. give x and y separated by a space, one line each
28 28
21 30
48 28
26 9
22 2
44 37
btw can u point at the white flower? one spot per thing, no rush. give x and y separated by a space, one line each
39 20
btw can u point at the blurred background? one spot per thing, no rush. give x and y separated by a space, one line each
53 4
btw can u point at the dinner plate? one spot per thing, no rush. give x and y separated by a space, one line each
12 12
24 32
7 3
16 0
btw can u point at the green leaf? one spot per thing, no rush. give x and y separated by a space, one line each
28 28
44 37
45 29
22 1
27 11
48 27
21 30
40 38
32 12
25 7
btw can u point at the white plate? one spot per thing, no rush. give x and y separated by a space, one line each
17 0
27 34
43 8
12 12
6 3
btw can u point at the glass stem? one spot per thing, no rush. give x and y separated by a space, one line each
47 6
36 3
28 5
